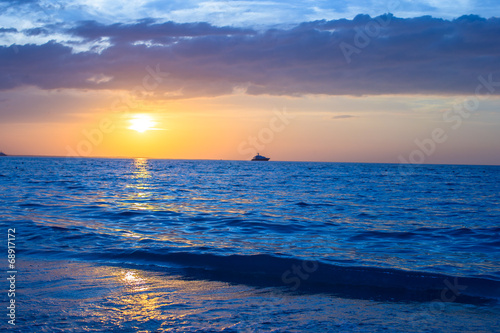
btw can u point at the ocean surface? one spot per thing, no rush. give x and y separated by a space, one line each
138 245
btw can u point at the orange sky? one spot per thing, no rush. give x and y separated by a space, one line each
311 128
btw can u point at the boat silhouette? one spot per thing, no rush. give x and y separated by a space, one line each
259 157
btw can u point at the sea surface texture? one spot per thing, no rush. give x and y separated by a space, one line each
138 245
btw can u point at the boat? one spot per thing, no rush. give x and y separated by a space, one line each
259 157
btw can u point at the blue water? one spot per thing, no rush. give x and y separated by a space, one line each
246 246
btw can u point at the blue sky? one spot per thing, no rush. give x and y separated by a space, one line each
31 14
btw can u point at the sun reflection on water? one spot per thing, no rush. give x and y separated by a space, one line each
141 168
147 301
140 190
134 281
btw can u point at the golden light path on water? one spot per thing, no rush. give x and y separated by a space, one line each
91 297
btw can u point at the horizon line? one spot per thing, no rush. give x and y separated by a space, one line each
243 160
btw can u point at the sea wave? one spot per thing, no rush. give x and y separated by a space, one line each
318 277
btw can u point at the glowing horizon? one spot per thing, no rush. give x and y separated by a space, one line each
342 86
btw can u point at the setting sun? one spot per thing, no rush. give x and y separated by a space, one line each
141 123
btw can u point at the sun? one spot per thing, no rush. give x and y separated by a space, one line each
141 123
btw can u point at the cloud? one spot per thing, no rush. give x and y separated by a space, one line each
18 2
344 116
392 55
7 30
148 30
36 32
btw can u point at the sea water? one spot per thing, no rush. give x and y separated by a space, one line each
139 245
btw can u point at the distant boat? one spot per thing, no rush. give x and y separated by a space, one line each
2 154
259 157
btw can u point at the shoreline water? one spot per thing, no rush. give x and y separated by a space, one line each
78 296
203 244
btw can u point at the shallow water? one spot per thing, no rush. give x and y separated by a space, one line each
88 297
370 235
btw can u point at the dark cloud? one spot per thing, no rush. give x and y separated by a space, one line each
36 32
148 30
385 55
18 2
7 30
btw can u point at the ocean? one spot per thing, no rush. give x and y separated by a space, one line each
141 245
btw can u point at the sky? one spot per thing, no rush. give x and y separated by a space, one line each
394 81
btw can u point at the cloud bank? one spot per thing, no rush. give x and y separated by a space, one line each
362 56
